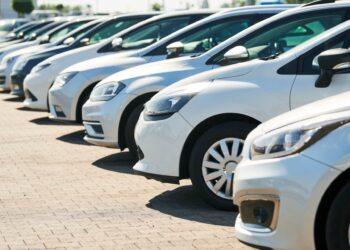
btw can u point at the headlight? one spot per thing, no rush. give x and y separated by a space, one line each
41 67
63 78
291 139
162 108
107 91
20 64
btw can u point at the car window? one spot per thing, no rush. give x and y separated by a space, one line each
285 34
309 63
208 37
62 32
111 29
153 32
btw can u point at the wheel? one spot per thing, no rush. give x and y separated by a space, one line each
82 100
213 162
338 221
130 130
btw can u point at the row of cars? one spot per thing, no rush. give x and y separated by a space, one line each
190 94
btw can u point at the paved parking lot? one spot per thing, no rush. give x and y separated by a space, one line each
58 192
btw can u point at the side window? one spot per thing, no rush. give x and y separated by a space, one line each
153 32
111 29
308 64
281 36
208 36
55 36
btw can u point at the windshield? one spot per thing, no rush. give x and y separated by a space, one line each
33 29
6 26
57 34
108 29
153 32
283 35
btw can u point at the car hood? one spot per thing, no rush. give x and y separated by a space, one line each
112 60
18 46
29 50
74 52
154 69
330 105
235 70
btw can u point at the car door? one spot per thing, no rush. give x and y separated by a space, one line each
304 90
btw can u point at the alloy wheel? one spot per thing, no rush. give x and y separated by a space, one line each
219 166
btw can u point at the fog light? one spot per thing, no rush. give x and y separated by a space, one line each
259 212
59 112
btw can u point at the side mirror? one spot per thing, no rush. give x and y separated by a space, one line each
333 61
117 42
175 49
68 41
85 42
32 37
235 55
44 39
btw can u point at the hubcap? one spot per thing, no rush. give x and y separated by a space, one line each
219 165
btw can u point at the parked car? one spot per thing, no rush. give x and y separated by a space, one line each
8 25
49 39
109 27
11 36
117 117
293 185
25 34
191 40
38 83
204 120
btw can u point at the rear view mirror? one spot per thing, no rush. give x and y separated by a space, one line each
44 39
85 41
68 41
235 55
175 49
333 61
117 42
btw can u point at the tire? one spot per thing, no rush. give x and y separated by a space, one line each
338 221
82 100
231 134
130 126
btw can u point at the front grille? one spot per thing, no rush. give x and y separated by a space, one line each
2 80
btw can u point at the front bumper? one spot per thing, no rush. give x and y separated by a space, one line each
161 143
38 84
295 184
5 72
101 120
63 100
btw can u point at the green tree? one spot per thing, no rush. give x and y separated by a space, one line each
156 7
59 7
205 4
22 6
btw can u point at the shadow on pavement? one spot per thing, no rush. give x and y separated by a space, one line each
2 91
121 162
32 110
47 121
14 99
74 138
183 202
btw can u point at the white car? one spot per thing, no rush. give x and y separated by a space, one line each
41 78
196 38
293 184
204 120
9 55
116 118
